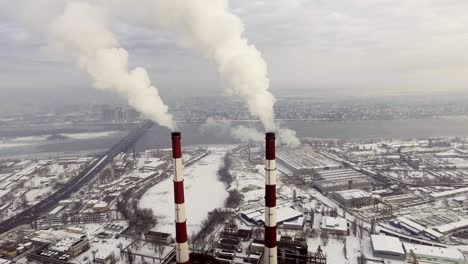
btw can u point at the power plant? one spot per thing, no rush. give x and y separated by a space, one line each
182 249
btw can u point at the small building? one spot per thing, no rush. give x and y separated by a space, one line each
71 245
158 237
8 249
387 247
352 198
244 233
229 243
334 225
101 207
105 258
430 254
256 246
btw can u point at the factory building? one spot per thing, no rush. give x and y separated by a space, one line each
455 227
158 237
387 247
352 198
342 179
284 213
438 255
299 161
71 246
449 193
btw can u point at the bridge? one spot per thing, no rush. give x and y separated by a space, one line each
32 213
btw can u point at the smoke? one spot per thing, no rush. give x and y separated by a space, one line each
209 28
247 134
241 133
82 31
286 137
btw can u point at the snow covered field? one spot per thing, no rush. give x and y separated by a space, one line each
203 193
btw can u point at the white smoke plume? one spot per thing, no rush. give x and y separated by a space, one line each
82 31
247 134
286 137
209 28
225 127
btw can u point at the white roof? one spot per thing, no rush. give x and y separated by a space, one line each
433 233
447 228
56 210
438 252
332 223
283 213
353 194
449 193
387 244
411 223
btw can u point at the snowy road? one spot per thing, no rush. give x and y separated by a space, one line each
203 193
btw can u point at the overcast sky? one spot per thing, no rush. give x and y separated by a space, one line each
334 46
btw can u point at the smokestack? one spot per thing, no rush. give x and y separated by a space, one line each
182 250
270 253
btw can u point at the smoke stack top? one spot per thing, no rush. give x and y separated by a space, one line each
270 146
176 145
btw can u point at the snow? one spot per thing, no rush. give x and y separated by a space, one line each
203 193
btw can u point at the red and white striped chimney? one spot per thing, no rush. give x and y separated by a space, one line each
182 249
270 253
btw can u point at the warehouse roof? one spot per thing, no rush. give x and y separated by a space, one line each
387 245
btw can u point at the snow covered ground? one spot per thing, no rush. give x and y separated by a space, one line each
26 141
203 193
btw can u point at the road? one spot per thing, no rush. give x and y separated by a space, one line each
32 213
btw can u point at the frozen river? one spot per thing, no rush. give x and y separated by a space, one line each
203 193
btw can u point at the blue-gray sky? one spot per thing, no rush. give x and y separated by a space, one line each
363 47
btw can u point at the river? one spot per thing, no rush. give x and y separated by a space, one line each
194 134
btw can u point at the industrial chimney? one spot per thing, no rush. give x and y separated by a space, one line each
182 250
270 252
